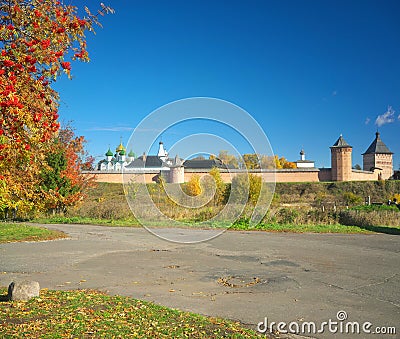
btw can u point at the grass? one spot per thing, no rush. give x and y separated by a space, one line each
372 208
11 232
241 225
88 221
337 228
92 314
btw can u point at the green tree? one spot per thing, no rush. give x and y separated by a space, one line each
55 186
62 183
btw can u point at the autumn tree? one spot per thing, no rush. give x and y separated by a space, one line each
228 159
276 162
251 161
246 188
193 186
39 39
62 182
215 181
268 162
283 163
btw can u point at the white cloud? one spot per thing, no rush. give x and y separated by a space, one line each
367 121
385 118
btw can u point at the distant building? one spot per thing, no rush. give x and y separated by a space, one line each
303 163
378 157
377 164
341 161
205 163
115 162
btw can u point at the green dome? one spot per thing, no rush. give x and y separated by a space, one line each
109 153
131 154
122 152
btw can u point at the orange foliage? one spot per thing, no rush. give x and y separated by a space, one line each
37 39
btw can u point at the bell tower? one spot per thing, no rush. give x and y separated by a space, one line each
341 160
378 157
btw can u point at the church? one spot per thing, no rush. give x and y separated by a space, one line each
116 162
377 165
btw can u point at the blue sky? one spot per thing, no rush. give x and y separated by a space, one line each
307 71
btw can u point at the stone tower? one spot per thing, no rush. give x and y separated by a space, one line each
341 160
177 171
378 157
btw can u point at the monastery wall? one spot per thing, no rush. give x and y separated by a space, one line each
297 175
118 177
357 175
325 174
289 175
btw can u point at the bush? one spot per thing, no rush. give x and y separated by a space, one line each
246 188
286 216
352 199
193 187
373 217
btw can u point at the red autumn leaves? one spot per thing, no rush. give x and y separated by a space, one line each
39 38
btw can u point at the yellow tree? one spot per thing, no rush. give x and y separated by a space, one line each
286 164
251 160
220 187
193 187
39 39
283 163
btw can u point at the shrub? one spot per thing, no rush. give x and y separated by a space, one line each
352 199
246 188
193 187
220 186
373 217
286 216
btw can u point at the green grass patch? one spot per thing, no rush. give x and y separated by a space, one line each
88 221
337 228
242 225
373 208
11 232
92 314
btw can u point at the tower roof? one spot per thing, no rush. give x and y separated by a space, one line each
378 146
109 153
131 154
341 143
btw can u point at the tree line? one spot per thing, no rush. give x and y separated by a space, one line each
251 160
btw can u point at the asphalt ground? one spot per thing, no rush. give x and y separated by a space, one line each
245 276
